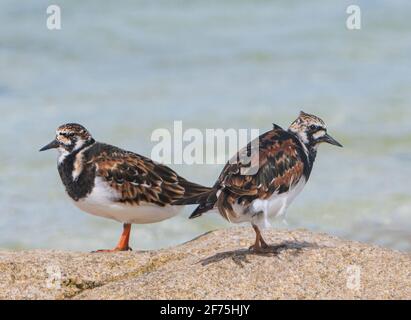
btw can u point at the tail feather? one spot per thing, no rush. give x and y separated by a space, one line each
205 200
193 190
202 208
193 198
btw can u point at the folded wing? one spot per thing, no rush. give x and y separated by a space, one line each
140 180
276 164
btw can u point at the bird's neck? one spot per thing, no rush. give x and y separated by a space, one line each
74 173
310 152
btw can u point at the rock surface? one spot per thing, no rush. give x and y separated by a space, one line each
217 265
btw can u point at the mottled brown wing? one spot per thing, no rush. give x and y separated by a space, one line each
276 167
139 179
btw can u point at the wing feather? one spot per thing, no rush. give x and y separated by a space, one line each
138 179
280 166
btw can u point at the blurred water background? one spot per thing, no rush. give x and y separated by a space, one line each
124 69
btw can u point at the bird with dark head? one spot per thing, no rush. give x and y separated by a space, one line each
311 130
110 182
279 169
70 137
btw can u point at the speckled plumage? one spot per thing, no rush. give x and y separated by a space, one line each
281 167
107 181
136 178
281 161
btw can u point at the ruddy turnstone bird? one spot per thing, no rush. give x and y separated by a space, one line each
114 183
284 162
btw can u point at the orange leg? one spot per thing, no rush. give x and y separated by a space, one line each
259 244
123 242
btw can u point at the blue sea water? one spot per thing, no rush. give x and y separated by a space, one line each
124 69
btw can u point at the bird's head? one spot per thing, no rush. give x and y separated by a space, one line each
311 130
69 137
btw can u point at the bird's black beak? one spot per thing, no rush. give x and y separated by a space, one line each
52 145
327 138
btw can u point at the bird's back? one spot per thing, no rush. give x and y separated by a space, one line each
277 166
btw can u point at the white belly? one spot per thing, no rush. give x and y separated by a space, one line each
261 210
102 202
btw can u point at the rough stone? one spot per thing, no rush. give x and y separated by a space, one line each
217 265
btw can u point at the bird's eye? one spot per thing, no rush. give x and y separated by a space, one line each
313 127
66 134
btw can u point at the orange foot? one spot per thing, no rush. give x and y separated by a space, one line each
123 243
113 250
